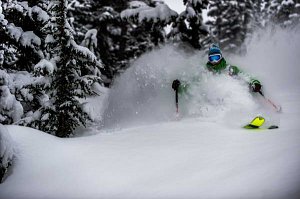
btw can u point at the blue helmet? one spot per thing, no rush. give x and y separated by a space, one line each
214 49
214 54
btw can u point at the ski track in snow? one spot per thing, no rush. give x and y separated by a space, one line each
202 156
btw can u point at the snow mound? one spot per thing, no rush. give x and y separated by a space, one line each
187 159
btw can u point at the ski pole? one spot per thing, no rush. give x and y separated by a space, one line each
278 108
176 100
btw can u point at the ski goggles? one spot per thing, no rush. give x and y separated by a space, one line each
214 58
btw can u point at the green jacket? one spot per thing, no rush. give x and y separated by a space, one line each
224 67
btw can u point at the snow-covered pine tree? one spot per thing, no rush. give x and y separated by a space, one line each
154 17
197 32
11 110
259 17
269 9
6 152
72 69
20 35
100 17
189 25
288 13
20 48
118 40
90 40
285 13
230 23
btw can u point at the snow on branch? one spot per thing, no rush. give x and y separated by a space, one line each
4 78
38 13
44 67
160 13
137 4
287 2
132 13
6 147
11 110
27 39
194 3
85 53
14 32
7 151
90 40
3 21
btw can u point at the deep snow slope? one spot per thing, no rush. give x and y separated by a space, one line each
192 158
140 152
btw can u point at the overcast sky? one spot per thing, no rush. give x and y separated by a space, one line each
176 5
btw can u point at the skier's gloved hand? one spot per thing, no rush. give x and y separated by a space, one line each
255 86
176 84
233 70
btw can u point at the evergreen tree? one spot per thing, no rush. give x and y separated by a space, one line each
20 35
288 13
20 49
269 10
10 109
119 40
189 25
38 33
285 13
231 23
7 152
72 69
259 17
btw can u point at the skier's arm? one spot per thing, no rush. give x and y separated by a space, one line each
254 84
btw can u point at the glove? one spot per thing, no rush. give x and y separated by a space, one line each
233 70
176 84
255 86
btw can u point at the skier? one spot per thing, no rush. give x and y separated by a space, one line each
217 65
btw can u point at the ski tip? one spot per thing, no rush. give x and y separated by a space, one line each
251 127
273 127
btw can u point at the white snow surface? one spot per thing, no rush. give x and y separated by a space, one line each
142 153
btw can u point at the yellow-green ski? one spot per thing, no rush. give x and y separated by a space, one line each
257 123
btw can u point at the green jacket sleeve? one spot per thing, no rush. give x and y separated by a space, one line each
234 70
